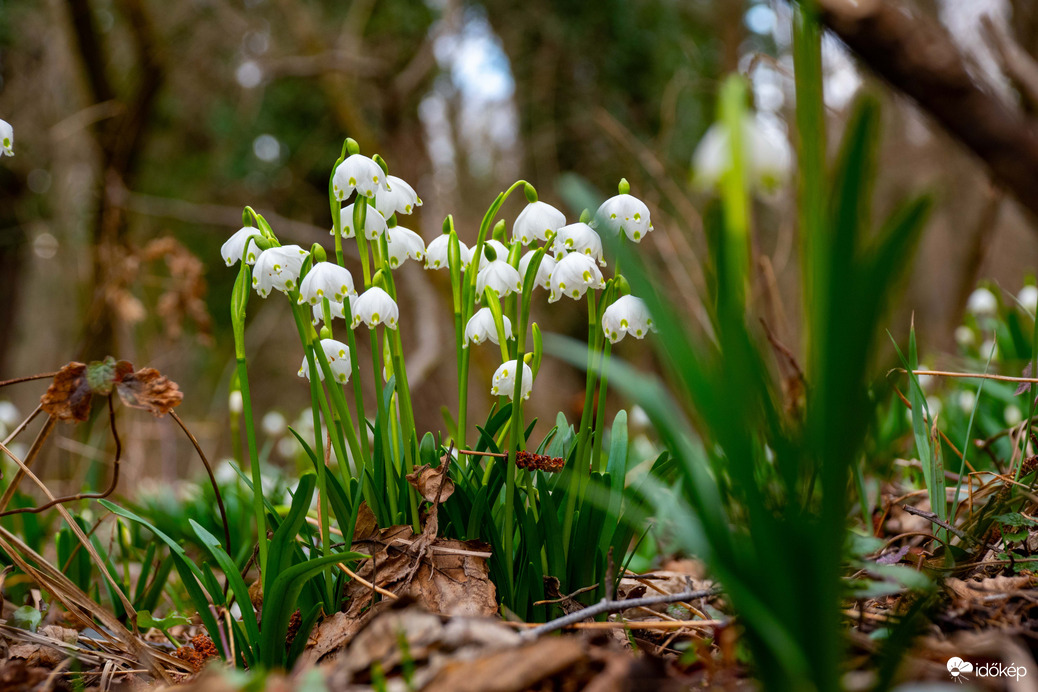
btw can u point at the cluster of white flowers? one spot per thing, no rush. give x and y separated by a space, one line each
571 270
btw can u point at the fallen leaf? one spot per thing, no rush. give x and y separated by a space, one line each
428 481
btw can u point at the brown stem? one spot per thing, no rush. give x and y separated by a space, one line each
212 479
30 457
28 378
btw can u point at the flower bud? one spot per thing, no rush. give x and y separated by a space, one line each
530 192
624 187
351 146
448 224
318 253
499 231
489 252
326 333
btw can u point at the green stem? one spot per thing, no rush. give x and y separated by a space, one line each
322 480
581 468
257 477
603 385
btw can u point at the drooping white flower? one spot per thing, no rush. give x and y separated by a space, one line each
767 155
436 254
400 199
500 249
580 238
982 303
278 268
536 222
234 247
624 213
338 355
374 223
481 327
273 424
500 276
504 380
326 280
9 416
544 269
573 275
335 308
628 315
374 307
964 336
403 244
1028 297
6 138
360 173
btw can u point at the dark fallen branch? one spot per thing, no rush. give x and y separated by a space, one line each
919 59
605 606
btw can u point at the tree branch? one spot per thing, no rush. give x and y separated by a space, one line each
919 59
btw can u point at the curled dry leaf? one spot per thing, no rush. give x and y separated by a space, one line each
427 481
69 395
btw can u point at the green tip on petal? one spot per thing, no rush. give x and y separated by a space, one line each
531 193
585 216
624 187
351 146
381 163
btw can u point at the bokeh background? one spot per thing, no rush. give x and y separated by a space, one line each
143 127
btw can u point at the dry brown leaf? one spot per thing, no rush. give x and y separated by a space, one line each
969 591
427 481
150 390
68 396
511 670
367 525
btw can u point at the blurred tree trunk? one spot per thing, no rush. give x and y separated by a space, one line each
119 140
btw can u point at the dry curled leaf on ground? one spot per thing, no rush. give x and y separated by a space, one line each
433 484
71 392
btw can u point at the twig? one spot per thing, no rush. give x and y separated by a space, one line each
364 582
212 481
940 522
624 625
28 378
605 606
970 375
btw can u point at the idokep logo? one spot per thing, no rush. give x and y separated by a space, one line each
960 669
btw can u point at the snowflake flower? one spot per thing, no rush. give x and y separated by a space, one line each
404 244
625 213
436 254
6 138
233 249
375 307
358 173
500 276
481 327
982 302
628 315
374 223
326 280
767 155
536 222
400 199
504 380
278 268
580 238
338 355
544 269
573 275
500 249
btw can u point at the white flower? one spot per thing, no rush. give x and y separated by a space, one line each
400 199
1012 415
982 302
989 349
964 336
374 223
536 222
481 327
500 249
232 250
543 269
6 138
375 307
1028 297
767 155
273 424
579 237
326 280
359 173
967 400
573 275
628 315
436 254
338 355
625 213
235 403
403 244
278 268
504 380
335 308
9 417
500 276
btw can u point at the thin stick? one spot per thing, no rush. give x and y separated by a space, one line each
212 480
30 457
605 606
28 378
473 453
970 375
364 582
624 625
